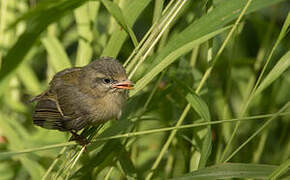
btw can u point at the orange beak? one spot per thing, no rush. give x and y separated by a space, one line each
124 85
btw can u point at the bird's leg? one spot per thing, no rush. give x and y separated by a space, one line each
79 139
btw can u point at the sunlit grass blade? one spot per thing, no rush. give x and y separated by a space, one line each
84 20
29 79
58 57
116 12
131 12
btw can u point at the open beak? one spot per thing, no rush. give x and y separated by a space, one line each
124 85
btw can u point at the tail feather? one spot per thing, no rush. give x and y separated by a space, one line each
47 115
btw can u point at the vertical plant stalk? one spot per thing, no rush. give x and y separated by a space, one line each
167 143
171 17
141 46
154 36
253 93
201 84
45 176
219 52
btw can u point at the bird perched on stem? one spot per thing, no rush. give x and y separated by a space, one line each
82 96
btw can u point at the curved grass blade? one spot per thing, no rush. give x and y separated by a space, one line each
116 12
231 170
59 59
131 12
282 65
203 111
85 16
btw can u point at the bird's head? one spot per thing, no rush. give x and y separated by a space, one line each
106 76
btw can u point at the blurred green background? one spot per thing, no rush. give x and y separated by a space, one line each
212 88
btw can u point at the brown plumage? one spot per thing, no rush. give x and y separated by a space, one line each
82 96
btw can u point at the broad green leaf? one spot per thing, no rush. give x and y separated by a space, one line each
202 109
282 65
198 105
58 57
231 170
116 12
131 12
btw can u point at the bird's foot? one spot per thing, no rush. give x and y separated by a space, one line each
79 139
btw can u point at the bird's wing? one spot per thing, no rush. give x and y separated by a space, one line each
48 115
75 106
51 111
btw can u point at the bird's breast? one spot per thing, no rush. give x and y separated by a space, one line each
108 107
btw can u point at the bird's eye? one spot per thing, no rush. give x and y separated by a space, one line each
107 81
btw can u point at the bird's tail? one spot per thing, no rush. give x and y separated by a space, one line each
47 115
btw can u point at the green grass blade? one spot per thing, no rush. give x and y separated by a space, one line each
173 56
16 142
116 12
112 134
199 106
104 156
29 79
84 18
131 12
282 65
279 171
126 163
216 19
36 24
205 26
7 155
203 111
58 57
231 170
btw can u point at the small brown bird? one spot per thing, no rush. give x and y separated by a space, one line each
82 96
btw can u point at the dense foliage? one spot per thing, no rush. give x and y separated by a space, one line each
211 97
